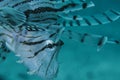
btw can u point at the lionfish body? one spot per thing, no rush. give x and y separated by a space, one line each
32 30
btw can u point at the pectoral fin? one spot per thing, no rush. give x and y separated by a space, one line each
11 16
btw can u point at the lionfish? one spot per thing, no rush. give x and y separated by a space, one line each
32 29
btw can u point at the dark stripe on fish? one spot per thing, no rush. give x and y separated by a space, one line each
22 3
44 19
59 43
31 28
27 1
78 22
96 19
83 38
87 21
52 35
33 43
117 13
107 17
48 9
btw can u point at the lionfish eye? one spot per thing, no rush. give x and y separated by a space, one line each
50 44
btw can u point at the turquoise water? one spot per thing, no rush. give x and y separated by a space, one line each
79 61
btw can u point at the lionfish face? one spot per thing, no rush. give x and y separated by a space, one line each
40 58
38 47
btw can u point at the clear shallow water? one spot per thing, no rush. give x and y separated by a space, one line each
79 61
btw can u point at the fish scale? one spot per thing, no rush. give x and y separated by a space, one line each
32 29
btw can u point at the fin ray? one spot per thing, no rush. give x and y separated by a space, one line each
93 39
97 19
11 16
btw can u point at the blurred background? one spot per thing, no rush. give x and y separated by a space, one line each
79 61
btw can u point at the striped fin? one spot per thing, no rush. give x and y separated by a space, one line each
91 39
43 17
97 19
65 1
33 6
24 5
71 6
15 3
11 16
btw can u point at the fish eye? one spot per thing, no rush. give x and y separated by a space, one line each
50 44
